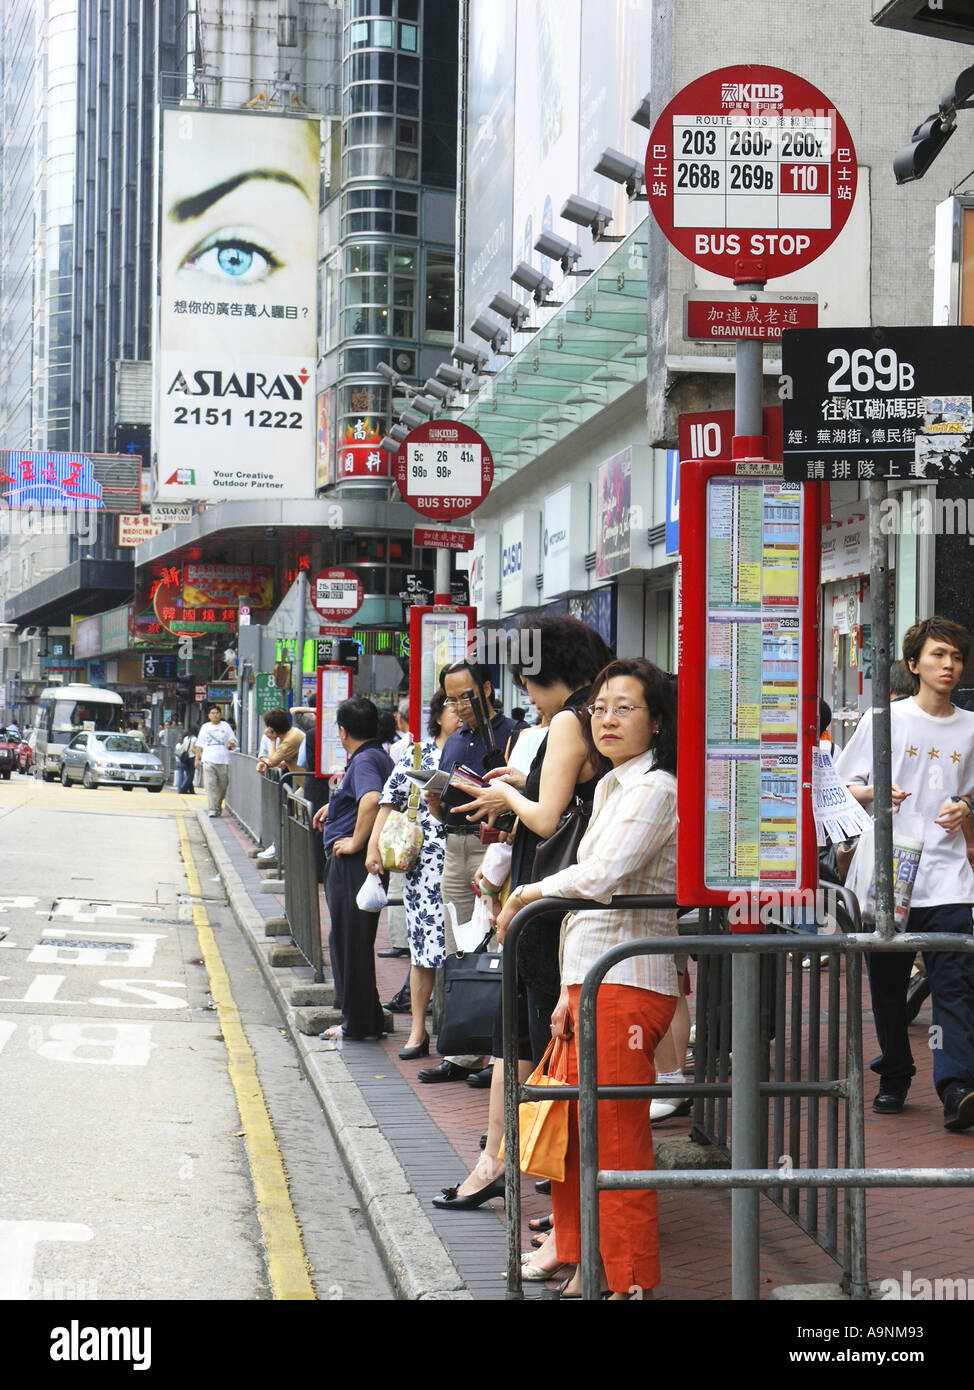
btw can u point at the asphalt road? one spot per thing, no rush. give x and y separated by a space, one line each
137 1161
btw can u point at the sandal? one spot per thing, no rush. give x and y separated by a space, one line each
541 1223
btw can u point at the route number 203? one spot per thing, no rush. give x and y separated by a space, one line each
865 371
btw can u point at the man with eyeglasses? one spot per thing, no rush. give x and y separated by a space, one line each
464 849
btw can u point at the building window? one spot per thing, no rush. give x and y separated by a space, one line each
438 298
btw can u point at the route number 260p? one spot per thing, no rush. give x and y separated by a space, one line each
864 370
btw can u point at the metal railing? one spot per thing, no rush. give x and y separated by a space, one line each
244 793
800 1009
299 867
744 1178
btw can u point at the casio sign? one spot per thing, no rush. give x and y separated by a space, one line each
511 559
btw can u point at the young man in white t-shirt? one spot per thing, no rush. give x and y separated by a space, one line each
214 743
933 775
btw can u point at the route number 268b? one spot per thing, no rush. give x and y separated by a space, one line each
865 371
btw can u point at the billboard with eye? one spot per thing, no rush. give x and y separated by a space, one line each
237 273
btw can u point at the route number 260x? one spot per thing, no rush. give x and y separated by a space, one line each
865 371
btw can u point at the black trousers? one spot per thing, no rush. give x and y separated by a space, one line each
951 976
351 946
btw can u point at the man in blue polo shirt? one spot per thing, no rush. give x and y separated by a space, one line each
346 823
464 849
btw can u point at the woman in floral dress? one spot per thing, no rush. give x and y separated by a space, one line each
421 885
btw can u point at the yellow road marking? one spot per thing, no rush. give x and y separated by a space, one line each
287 1263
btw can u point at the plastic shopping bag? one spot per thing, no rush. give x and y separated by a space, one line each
371 896
469 935
907 848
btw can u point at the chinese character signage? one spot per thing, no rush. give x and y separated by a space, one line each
359 455
866 403
235 384
716 316
96 482
251 585
133 530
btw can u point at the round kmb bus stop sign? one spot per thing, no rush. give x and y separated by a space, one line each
444 469
751 172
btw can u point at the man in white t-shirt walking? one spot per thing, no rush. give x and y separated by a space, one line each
214 743
933 775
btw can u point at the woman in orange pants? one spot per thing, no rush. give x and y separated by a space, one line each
629 848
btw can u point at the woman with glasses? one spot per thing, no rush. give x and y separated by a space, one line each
567 656
629 848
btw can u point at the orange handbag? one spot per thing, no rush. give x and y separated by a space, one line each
544 1127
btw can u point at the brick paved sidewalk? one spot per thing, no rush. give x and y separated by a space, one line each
435 1131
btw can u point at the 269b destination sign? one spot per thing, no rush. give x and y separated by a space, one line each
863 403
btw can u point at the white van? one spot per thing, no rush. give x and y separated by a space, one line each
64 710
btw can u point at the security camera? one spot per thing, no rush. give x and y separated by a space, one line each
643 114
391 376
621 169
412 418
451 375
398 433
390 445
432 387
534 282
564 252
471 356
587 214
424 405
511 309
491 331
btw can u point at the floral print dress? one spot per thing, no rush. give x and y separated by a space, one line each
421 886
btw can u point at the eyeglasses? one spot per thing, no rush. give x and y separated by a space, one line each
617 711
455 704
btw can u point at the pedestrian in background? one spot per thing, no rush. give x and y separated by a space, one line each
214 744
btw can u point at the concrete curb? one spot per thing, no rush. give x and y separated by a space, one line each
417 1260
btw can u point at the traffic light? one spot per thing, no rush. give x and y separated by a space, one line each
913 160
348 653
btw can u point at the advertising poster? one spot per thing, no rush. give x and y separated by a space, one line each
324 443
235 399
612 508
251 585
546 119
490 145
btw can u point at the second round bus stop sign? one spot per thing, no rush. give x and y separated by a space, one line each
444 469
751 172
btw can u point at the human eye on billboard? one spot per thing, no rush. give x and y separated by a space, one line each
231 255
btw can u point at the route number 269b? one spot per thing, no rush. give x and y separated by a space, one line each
864 370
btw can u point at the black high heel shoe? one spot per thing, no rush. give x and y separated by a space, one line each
449 1201
408 1054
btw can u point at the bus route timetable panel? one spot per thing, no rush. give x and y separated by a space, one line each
753 625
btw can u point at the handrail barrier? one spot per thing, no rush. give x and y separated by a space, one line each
244 793
746 1091
298 865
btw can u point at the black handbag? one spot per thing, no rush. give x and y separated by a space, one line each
471 1001
561 847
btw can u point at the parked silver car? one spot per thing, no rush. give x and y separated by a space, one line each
101 757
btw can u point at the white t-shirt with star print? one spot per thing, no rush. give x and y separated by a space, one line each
933 759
